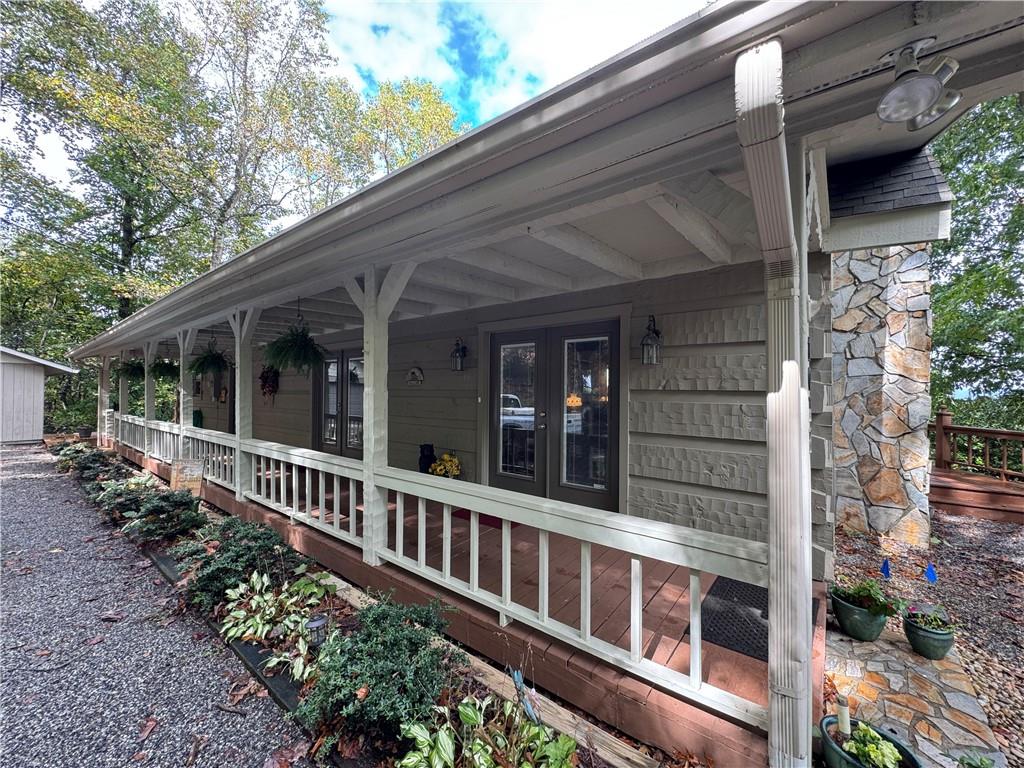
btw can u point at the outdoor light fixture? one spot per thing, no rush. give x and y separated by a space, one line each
459 352
650 344
918 96
316 626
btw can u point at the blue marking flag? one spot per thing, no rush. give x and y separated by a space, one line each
886 572
930 574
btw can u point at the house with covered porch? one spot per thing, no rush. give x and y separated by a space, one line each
672 319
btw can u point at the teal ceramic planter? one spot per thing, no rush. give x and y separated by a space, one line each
859 623
837 757
930 643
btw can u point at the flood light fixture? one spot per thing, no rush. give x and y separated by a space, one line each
914 92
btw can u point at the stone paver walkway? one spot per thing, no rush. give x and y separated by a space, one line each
98 668
930 705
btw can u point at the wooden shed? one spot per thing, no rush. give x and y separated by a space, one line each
22 378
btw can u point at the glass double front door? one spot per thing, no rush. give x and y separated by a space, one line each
554 413
341 404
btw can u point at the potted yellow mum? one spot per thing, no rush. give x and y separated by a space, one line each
447 466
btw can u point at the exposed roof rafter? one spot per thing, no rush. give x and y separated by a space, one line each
578 243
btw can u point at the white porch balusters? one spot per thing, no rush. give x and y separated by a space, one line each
243 324
122 399
149 409
186 343
377 299
760 124
103 401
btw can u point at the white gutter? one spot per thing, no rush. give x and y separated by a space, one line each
761 126
604 95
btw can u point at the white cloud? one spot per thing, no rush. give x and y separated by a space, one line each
528 47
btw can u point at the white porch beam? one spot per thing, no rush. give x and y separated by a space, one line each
355 291
243 323
583 246
122 393
689 221
149 352
375 418
465 283
437 297
102 400
729 210
186 343
761 128
498 263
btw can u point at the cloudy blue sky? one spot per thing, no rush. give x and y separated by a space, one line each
489 56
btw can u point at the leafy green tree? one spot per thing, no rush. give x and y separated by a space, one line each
978 291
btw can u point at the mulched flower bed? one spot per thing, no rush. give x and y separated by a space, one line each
980 564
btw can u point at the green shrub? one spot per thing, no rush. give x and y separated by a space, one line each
868 593
490 733
871 749
974 760
219 557
390 670
165 515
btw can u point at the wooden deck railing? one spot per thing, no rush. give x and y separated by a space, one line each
995 452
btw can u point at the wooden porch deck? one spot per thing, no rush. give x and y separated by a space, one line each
970 493
613 696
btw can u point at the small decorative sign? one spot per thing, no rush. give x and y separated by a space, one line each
187 475
414 377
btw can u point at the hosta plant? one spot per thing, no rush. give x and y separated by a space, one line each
489 733
259 612
120 498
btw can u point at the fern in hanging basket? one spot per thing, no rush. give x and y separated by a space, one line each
295 349
164 369
132 368
210 360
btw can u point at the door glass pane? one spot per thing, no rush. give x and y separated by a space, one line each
585 412
354 430
518 377
330 401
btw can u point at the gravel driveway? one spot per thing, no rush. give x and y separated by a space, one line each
98 668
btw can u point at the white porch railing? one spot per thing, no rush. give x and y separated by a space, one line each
317 489
696 550
324 491
133 431
218 450
163 440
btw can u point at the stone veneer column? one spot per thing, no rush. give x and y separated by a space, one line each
881 344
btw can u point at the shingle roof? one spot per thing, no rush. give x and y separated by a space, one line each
886 183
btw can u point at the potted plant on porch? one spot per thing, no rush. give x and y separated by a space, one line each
864 747
862 608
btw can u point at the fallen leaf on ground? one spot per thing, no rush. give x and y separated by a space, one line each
148 727
283 757
232 709
112 616
138 757
198 742
94 640
43 652
362 693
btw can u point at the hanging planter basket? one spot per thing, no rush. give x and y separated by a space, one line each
210 360
164 369
133 368
295 349
270 382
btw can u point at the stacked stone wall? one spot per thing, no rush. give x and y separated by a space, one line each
881 344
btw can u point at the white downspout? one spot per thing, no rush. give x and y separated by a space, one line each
761 128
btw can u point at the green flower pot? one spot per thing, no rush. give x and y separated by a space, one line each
930 643
859 623
837 757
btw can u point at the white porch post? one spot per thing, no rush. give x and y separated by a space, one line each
122 396
102 400
149 408
186 343
377 300
761 128
243 324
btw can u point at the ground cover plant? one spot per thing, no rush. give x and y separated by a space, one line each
389 670
222 555
165 515
119 498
